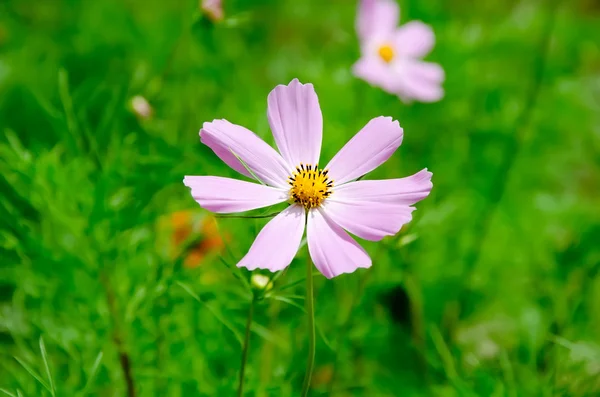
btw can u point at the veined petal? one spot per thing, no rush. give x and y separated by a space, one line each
332 250
371 221
225 139
296 122
368 149
376 18
377 208
406 191
414 39
277 243
225 195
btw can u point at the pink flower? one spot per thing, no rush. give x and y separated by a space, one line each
213 9
326 200
391 56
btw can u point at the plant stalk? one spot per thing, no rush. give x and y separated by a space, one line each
245 348
310 311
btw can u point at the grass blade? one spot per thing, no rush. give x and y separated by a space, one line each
19 394
47 367
67 102
294 283
268 335
213 311
93 372
288 301
270 215
246 167
296 305
7 392
33 373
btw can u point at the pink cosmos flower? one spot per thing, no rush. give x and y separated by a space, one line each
213 9
325 200
391 55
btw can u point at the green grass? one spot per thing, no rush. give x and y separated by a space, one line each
492 290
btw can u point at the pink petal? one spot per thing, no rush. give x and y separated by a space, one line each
332 250
406 191
296 121
225 195
213 9
376 18
378 208
421 81
414 39
368 149
371 221
376 72
278 242
224 138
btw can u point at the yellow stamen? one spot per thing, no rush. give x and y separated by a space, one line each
309 186
386 52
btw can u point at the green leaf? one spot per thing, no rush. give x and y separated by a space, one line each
298 306
288 301
47 367
236 273
294 283
93 372
34 374
246 167
268 335
7 392
67 102
214 311
270 215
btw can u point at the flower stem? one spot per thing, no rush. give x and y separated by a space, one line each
245 348
310 311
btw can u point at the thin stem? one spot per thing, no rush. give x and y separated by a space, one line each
245 348
124 358
310 311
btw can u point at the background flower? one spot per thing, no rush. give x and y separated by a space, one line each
391 55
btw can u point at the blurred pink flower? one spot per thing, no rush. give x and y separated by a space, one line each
391 55
141 107
213 9
326 200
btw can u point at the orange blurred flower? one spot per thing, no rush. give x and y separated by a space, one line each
184 226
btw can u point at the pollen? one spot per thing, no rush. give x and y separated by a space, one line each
309 186
386 52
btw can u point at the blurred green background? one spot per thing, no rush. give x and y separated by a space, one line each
492 290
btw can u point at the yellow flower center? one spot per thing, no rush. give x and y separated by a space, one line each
309 186
386 52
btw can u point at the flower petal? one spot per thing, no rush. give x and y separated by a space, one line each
225 195
224 138
376 72
378 208
277 243
376 18
420 80
368 149
296 121
414 39
332 250
406 191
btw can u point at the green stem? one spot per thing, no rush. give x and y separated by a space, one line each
310 311
245 349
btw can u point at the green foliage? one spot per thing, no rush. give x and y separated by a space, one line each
492 290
